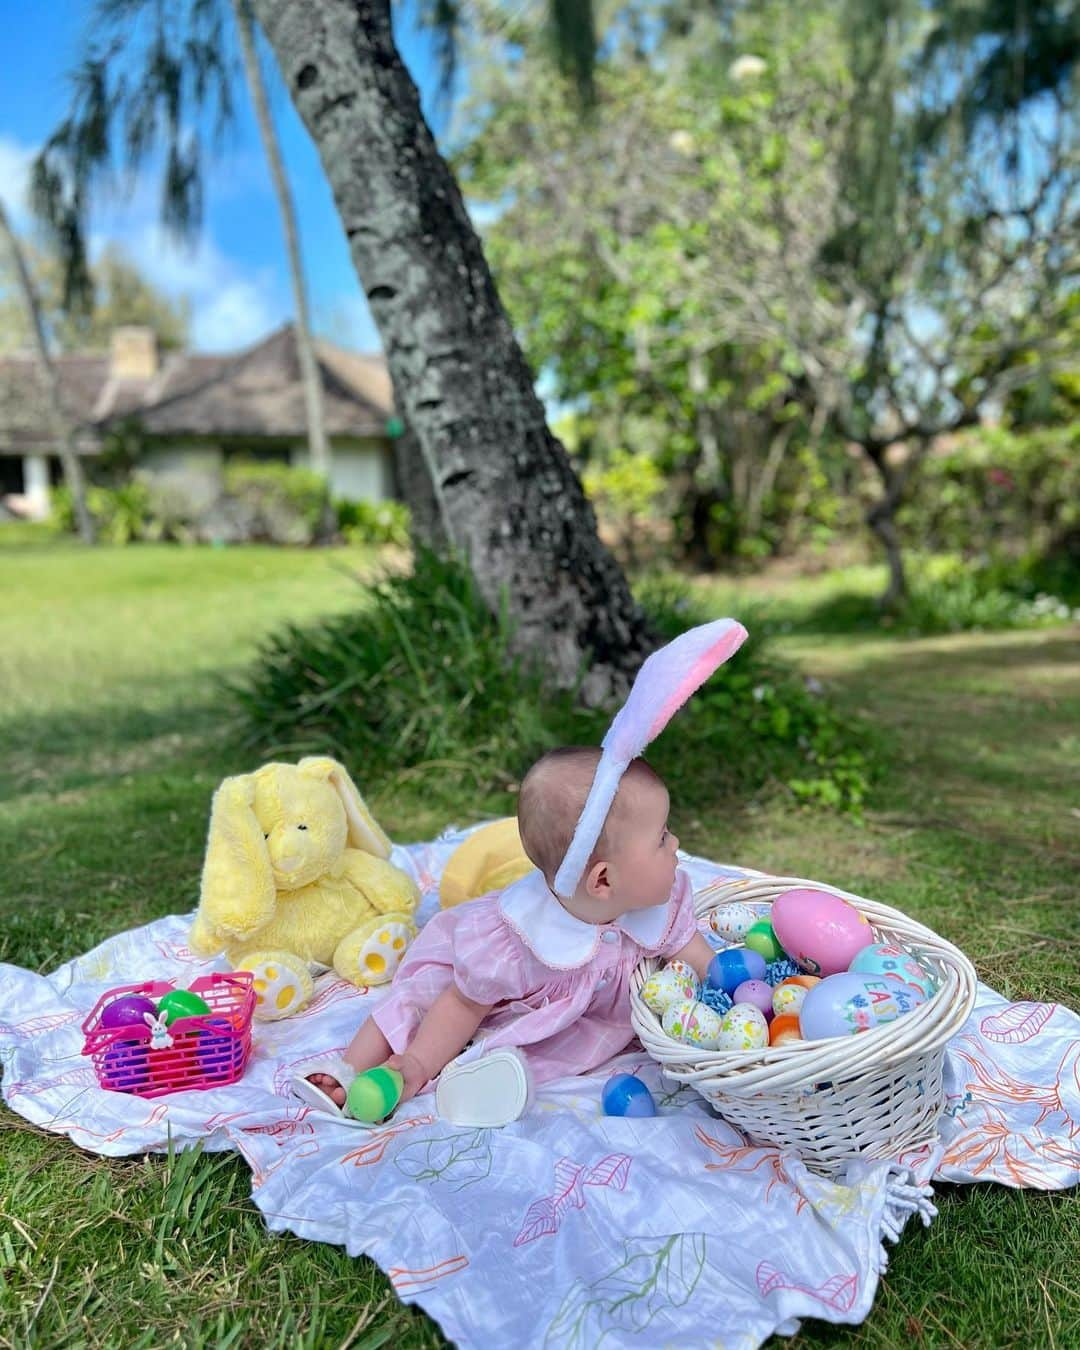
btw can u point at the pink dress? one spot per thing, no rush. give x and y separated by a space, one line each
561 987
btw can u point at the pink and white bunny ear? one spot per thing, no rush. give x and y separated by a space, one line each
663 684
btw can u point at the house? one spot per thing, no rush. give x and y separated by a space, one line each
193 412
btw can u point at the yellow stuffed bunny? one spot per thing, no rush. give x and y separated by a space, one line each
296 875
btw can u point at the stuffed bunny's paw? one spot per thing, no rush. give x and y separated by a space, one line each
282 984
371 953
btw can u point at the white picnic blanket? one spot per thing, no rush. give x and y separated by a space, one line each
568 1228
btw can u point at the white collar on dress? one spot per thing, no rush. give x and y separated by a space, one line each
556 937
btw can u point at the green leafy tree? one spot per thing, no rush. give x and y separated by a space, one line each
63 426
606 247
117 294
151 76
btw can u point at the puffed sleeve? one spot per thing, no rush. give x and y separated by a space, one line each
681 922
491 964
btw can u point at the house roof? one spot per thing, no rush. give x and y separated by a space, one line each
254 393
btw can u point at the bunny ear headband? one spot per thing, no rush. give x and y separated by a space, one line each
663 684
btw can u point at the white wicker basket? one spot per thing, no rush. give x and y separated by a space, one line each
873 1095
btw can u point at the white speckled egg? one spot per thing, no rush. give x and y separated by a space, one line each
687 976
788 995
732 922
692 1023
666 987
743 1028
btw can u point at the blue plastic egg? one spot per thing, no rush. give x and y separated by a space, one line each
728 969
625 1094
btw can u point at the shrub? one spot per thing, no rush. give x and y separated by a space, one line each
422 674
998 492
121 514
365 522
288 505
948 594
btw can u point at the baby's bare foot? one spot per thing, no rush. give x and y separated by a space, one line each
325 1083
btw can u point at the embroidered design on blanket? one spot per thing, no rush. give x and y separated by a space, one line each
544 1216
649 1280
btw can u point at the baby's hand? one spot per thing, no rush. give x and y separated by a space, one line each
413 1073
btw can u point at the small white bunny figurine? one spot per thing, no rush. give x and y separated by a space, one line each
159 1032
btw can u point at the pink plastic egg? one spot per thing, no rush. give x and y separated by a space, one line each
844 1004
819 931
757 993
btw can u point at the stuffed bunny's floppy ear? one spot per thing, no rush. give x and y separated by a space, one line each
238 892
365 832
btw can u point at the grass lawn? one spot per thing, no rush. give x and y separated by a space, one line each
115 734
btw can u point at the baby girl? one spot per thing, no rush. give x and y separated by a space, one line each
548 975
539 973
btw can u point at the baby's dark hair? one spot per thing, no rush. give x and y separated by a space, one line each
552 797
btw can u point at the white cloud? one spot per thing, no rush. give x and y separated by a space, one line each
231 306
15 179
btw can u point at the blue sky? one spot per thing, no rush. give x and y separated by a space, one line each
235 277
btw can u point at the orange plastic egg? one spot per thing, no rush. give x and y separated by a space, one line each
784 1029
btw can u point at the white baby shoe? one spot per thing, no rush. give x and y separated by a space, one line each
478 1090
315 1097
482 1089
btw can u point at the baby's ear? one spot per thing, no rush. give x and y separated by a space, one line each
598 881
364 831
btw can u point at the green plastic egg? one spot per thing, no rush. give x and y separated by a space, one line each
374 1094
761 938
179 1003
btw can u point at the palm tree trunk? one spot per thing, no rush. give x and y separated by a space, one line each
318 447
65 432
509 497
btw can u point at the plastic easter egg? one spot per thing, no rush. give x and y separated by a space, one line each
625 1094
784 1028
788 995
374 1094
729 968
894 963
732 922
756 992
692 1023
820 931
743 1028
761 938
215 1050
127 1010
125 1066
844 1004
179 1003
665 987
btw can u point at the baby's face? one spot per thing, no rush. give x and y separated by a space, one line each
643 861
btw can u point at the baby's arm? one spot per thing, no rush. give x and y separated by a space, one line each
698 954
447 1028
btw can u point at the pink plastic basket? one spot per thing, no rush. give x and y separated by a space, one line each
207 1050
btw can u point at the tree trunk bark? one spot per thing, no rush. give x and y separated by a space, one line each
510 500
880 519
318 446
65 432
415 485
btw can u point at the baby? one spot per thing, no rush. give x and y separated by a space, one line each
526 969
